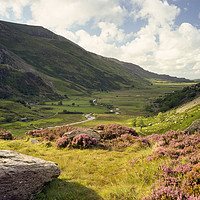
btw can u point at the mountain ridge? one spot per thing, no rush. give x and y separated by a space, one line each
63 65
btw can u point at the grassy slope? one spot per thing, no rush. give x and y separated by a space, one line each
168 121
97 174
176 98
14 83
69 64
65 66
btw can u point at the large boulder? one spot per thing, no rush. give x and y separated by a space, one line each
22 176
92 133
195 126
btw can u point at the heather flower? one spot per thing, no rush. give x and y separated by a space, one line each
113 131
177 181
193 181
100 127
5 135
83 141
51 133
63 142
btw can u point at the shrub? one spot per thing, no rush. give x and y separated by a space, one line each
51 133
127 138
5 135
83 141
113 131
63 142
193 181
177 180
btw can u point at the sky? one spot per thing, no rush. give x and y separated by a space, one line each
161 36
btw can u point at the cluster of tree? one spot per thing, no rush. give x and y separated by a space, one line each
174 99
69 112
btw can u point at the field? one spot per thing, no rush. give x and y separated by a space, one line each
18 118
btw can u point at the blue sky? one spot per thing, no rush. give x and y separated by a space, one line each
162 36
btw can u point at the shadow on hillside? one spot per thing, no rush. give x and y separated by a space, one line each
63 190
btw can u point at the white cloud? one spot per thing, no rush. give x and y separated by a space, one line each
68 13
158 46
15 6
162 47
156 11
111 33
97 45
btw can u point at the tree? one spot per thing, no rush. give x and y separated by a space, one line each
161 117
140 122
134 122
60 103
91 102
66 96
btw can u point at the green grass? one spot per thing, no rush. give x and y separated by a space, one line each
131 103
94 173
167 121
106 119
69 68
19 128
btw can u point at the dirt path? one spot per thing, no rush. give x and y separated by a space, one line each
87 116
188 105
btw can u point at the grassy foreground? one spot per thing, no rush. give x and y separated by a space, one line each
169 164
94 173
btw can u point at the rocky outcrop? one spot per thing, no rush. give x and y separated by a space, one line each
195 126
22 176
92 133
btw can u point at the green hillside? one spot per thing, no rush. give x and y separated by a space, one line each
175 99
64 66
14 83
66 62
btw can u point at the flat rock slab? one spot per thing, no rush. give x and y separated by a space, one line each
22 176
92 133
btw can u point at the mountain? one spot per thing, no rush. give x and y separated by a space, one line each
137 70
45 63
